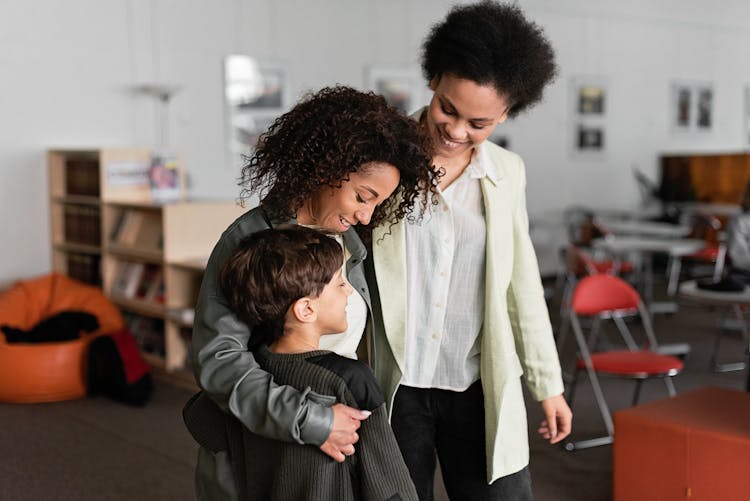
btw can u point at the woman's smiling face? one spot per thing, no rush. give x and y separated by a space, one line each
337 209
462 114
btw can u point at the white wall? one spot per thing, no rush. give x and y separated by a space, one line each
68 69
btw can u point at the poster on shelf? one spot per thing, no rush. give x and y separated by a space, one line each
127 173
164 178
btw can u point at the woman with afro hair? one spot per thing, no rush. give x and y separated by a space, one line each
340 158
461 313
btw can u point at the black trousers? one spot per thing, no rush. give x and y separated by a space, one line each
451 423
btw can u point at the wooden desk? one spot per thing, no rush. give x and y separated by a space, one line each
694 446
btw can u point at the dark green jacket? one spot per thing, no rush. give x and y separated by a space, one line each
228 372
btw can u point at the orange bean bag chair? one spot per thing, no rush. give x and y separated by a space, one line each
50 371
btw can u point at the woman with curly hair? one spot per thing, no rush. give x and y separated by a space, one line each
338 159
461 313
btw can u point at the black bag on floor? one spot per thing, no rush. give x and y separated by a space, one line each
117 370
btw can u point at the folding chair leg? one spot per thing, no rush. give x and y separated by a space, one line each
625 333
565 302
675 269
637 393
562 332
715 352
571 392
587 444
595 442
593 339
715 365
598 394
670 386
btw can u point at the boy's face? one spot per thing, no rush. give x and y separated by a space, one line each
332 305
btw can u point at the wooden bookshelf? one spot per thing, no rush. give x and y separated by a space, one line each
147 257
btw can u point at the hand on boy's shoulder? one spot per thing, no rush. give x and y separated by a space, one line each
358 377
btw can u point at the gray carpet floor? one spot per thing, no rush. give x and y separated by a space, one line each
97 449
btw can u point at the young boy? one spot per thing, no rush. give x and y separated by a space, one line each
288 283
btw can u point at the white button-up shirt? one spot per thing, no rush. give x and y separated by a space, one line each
445 257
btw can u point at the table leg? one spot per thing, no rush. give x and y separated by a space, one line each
654 307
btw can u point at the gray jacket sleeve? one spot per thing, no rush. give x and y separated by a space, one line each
228 372
738 245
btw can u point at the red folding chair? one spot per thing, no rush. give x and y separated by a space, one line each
706 227
605 296
580 263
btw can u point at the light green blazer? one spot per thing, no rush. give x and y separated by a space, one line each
516 335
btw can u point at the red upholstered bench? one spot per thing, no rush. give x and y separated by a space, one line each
694 446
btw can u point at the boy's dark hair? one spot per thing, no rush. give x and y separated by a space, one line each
273 268
329 135
492 44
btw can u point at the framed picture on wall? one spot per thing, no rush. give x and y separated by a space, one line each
588 104
691 106
590 138
704 107
591 99
246 129
255 94
402 86
682 99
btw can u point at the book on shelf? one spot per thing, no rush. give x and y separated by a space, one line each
85 268
127 280
82 224
149 232
117 225
127 230
151 285
155 291
82 177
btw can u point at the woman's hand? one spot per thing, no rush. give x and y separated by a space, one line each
346 422
559 419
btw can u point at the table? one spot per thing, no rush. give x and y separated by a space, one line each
727 210
734 300
694 446
648 212
645 228
646 247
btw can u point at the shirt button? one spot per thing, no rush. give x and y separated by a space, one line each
435 335
442 273
438 305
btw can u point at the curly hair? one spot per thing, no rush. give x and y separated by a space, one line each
329 135
271 269
492 44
